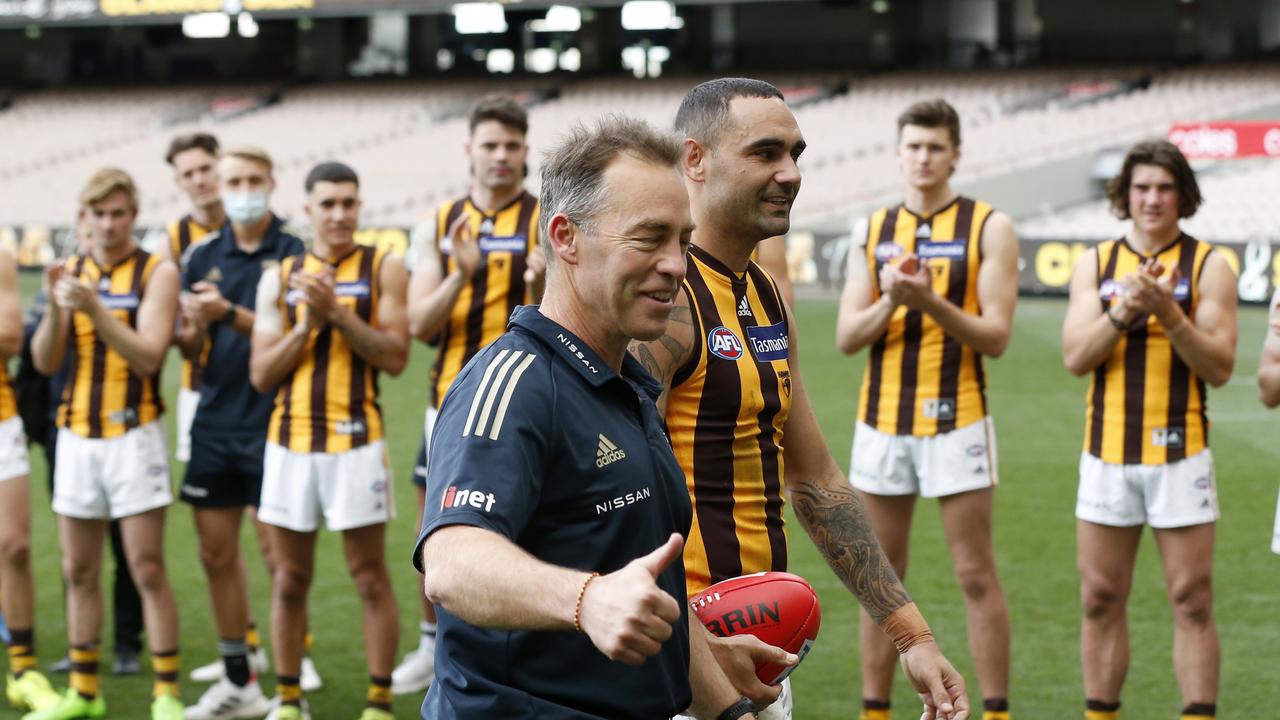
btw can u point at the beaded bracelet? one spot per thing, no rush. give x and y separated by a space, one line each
577 608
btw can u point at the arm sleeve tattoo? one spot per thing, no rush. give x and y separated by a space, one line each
840 528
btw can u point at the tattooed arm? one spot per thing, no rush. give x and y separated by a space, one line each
664 356
833 517
829 511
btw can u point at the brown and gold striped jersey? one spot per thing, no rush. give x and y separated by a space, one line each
919 380
330 402
8 401
479 315
726 411
103 397
1145 406
184 233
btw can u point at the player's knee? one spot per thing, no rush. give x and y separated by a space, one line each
1193 602
371 580
217 558
1103 601
80 573
292 582
976 582
15 550
148 572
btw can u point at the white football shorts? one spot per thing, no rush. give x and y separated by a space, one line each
111 478
348 489
949 463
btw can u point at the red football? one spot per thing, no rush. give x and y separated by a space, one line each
779 608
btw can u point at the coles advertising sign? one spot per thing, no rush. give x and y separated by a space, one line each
1227 139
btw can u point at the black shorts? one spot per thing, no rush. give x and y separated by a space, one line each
224 471
420 466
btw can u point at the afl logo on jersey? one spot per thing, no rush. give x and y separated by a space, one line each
724 344
888 251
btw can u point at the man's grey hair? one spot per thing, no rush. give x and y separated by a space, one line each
573 170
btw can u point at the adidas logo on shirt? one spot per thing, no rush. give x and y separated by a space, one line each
744 309
607 453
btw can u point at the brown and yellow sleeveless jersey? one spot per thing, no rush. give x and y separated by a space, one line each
330 402
1145 406
8 400
919 380
726 411
479 316
103 397
183 234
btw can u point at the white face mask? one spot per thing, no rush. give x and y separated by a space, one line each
245 207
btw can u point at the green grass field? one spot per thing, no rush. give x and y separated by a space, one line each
1038 409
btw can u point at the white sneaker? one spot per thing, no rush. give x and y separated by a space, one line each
259 664
415 673
279 712
309 679
226 701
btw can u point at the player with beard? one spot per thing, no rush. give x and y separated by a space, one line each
739 419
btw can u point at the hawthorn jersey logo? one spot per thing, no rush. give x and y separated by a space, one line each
744 308
455 498
724 344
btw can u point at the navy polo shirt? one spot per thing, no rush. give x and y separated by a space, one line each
541 442
228 403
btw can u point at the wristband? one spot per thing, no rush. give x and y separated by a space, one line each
577 607
906 627
229 316
1115 322
737 710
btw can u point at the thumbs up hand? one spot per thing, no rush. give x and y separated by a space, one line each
625 613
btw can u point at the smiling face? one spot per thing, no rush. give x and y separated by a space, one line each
751 177
196 174
926 156
631 257
1153 199
498 153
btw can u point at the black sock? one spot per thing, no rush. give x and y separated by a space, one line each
996 705
235 658
1209 709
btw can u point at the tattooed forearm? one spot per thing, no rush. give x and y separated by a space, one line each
839 527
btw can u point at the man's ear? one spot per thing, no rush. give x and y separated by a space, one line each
693 157
563 235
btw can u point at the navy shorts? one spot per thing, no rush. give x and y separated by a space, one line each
420 466
224 470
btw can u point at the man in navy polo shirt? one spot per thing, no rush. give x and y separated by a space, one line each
220 283
551 480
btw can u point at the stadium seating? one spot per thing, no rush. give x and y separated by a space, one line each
1239 205
405 139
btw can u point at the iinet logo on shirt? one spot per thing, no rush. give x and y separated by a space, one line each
455 498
